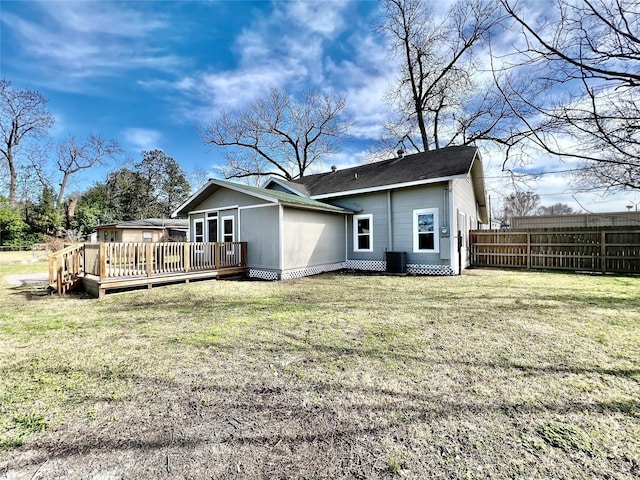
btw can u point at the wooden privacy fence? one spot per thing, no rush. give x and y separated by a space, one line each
611 251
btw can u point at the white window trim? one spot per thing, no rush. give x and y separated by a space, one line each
436 230
233 228
355 232
463 227
195 229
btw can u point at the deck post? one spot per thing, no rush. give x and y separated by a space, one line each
149 259
52 267
103 261
187 257
217 250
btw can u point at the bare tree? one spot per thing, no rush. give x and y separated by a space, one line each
23 114
586 55
278 135
440 98
519 204
555 209
75 155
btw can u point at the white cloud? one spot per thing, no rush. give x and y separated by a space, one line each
142 138
284 49
324 18
72 41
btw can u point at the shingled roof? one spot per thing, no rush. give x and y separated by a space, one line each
424 167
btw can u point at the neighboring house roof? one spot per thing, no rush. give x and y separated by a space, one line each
274 196
150 224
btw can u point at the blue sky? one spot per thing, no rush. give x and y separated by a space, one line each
148 73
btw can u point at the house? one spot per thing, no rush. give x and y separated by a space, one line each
413 209
577 220
146 230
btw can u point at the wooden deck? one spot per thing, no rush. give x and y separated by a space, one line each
101 267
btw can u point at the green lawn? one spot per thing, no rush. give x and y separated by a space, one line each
493 374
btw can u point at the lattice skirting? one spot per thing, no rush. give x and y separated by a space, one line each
417 269
263 274
305 272
368 265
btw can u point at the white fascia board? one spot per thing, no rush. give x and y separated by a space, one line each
217 209
238 188
190 199
261 205
318 208
387 187
284 185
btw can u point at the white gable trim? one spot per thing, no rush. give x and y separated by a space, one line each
387 187
216 209
289 188
223 184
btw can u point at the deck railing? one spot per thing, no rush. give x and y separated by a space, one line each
66 267
110 261
118 260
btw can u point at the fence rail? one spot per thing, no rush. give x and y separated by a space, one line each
611 251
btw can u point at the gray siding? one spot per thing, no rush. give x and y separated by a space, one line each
278 188
403 202
312 238
224 197
465 203
376 205
259 227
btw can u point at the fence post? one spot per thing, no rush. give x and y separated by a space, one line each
603 251
528 250
187 257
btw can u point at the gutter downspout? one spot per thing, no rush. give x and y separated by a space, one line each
389 221
346 240
453 233
281 238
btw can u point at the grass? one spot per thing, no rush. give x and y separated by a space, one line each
493 374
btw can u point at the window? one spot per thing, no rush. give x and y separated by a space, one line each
147 236
227 229
199 231
110 235
363 233
425 230
212 229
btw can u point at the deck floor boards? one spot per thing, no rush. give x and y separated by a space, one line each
97 288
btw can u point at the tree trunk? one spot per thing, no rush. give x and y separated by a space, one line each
71 212
13 178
